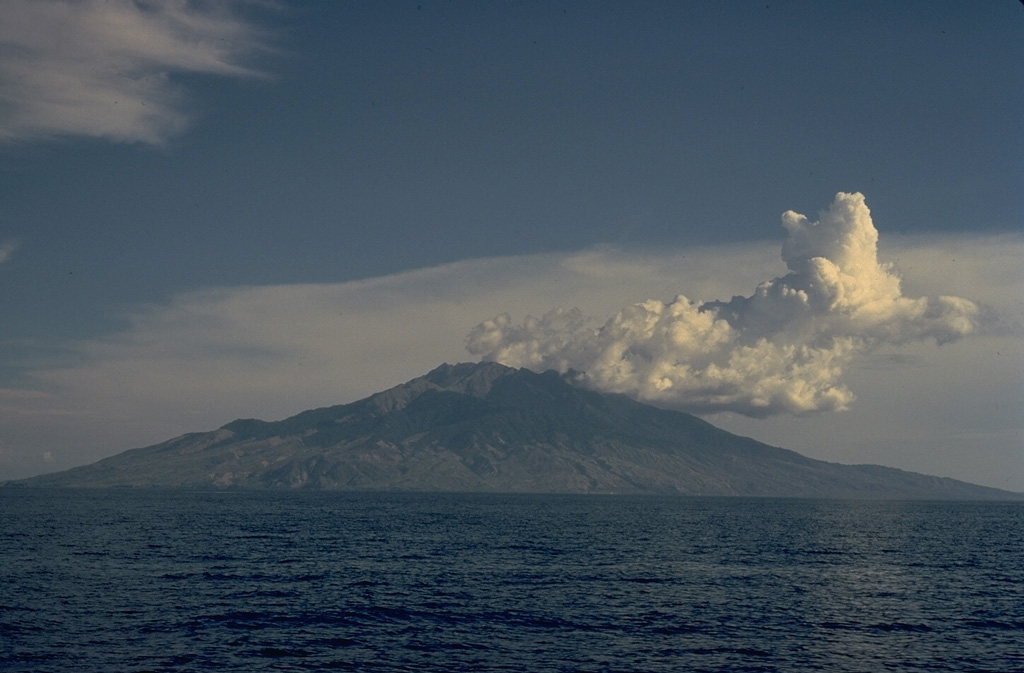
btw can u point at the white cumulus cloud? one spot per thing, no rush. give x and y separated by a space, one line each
782 349
105 68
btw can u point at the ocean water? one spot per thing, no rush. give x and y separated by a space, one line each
294 581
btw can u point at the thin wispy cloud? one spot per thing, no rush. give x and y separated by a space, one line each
6 250
105 68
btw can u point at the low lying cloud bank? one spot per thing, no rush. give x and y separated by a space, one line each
782 349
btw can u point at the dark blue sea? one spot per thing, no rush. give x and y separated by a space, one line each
148 580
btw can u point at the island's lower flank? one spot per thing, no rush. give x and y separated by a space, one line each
490 428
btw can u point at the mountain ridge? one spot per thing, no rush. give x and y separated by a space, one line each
488 427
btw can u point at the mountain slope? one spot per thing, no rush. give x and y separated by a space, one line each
487 427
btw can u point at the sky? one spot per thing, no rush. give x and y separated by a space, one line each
802 221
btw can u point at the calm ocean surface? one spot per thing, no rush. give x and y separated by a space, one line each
209 581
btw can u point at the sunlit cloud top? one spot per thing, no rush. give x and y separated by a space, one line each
781 350
106 68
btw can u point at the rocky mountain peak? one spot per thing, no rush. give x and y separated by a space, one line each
467 378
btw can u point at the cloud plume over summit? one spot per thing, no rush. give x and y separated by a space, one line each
782 349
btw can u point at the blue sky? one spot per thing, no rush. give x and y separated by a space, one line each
251 209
